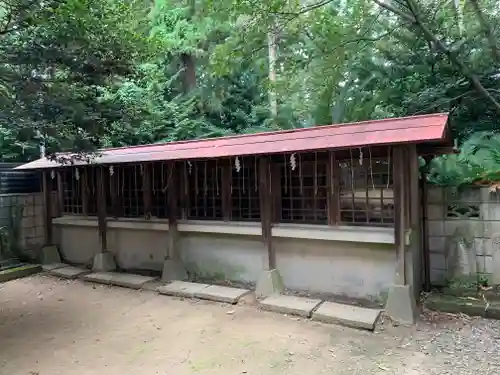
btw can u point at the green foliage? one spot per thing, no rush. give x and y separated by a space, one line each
477 162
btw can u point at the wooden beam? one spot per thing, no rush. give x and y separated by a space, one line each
266 208
47 206
399 212
147 190
101 209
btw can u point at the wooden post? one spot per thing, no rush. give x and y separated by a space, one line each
172 196
415 218
425 230
101 208
147 190
399 211
266 208
226 189
47 206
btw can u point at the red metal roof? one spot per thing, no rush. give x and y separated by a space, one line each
415 129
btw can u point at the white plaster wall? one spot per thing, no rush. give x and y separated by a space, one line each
138 249
78 244
360 270
232 257
133 249
342 268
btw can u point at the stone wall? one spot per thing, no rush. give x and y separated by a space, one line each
473 213
30 209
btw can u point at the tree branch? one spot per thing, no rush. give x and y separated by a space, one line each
488 32
306 8
429 36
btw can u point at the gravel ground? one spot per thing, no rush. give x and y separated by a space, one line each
50 327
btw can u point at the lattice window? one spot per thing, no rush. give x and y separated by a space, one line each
128 194
204 181
366 190
72 190
304 188
245 201
89 184
162 177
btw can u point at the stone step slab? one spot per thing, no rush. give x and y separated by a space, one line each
221 294
69 272
347 315
181 289
125 280
53 266
290 305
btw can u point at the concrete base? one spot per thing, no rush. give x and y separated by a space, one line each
181 289
18 272
104 262
347 315
401 305
203 291
269 283
53 266
50 254
69 272
290 305
221 294
119 279
173 270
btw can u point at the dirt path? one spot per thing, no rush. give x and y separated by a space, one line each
51 327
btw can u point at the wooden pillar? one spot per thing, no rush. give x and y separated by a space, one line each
47 207
415 218
399 211
266 208
101 209
425 228
173 232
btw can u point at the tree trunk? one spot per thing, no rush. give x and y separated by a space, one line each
272 45
188 60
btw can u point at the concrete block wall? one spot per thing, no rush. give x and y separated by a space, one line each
31 237
476 211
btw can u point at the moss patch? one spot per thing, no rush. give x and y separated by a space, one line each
18 272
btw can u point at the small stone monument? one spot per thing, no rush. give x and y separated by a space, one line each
461 255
